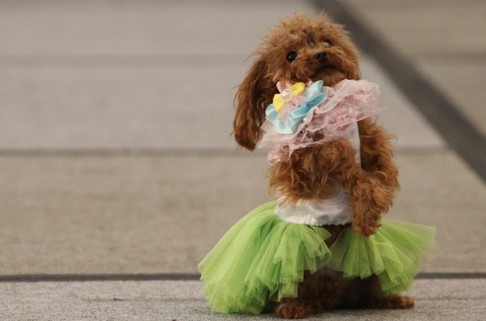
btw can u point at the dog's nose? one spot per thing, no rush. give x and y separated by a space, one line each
321 57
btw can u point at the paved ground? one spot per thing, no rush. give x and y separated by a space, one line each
116 158
169 300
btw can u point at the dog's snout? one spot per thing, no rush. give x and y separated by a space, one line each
321 57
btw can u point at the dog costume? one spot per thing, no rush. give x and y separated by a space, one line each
263 257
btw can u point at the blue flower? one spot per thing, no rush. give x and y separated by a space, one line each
287 121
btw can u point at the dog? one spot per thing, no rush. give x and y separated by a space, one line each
305 48
322 243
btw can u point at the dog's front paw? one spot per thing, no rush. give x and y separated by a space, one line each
291 309
364 227
372 195
370 200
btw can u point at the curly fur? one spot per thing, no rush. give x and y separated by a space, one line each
310 173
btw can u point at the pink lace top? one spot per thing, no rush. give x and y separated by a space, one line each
344 104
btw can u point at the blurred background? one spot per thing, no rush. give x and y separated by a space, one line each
116 155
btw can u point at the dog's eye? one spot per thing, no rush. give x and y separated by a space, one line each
291 56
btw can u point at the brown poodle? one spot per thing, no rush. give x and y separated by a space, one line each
302 49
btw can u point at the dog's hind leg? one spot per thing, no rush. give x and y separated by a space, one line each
318 292
293 309
394 302
366 294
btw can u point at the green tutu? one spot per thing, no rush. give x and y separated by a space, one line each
263 258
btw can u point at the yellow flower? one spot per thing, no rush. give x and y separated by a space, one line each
287 94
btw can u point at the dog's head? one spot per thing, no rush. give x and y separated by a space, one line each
302 48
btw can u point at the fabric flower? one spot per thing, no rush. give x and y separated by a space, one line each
288 96
290 107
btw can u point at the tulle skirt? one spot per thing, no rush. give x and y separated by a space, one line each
263 258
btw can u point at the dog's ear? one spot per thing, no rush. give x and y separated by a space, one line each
253 95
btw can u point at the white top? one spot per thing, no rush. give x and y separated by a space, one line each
331 211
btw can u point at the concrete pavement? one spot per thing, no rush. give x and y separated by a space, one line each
444 40
116 158
437 300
